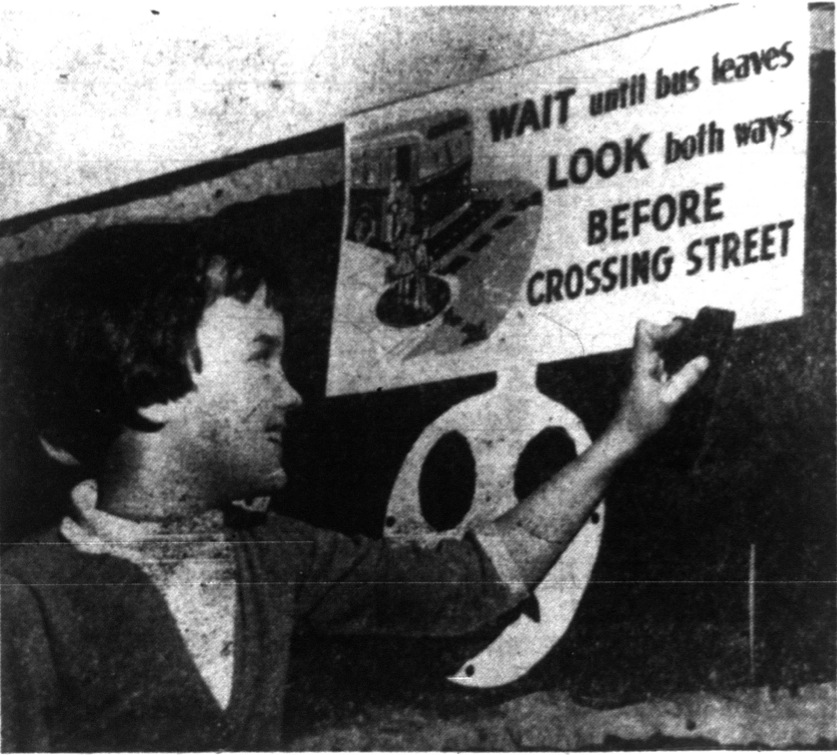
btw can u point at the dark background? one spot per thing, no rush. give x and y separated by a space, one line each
666 609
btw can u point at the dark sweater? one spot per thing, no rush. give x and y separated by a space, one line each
93 660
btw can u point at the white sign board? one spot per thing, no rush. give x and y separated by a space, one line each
536 214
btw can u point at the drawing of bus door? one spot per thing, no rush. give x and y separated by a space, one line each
472 465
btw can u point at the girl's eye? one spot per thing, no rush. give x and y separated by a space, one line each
265 349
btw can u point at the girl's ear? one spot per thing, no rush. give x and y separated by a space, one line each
161 414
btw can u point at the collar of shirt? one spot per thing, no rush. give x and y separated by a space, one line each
158 547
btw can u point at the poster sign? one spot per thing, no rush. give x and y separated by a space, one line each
536 214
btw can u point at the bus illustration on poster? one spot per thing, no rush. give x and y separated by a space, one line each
438 235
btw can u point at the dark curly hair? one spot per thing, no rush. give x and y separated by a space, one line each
115 321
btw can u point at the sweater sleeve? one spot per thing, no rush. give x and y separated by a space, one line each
28 679
357 585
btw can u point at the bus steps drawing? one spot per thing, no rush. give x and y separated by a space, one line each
448 241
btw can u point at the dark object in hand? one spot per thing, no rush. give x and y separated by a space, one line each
708 334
